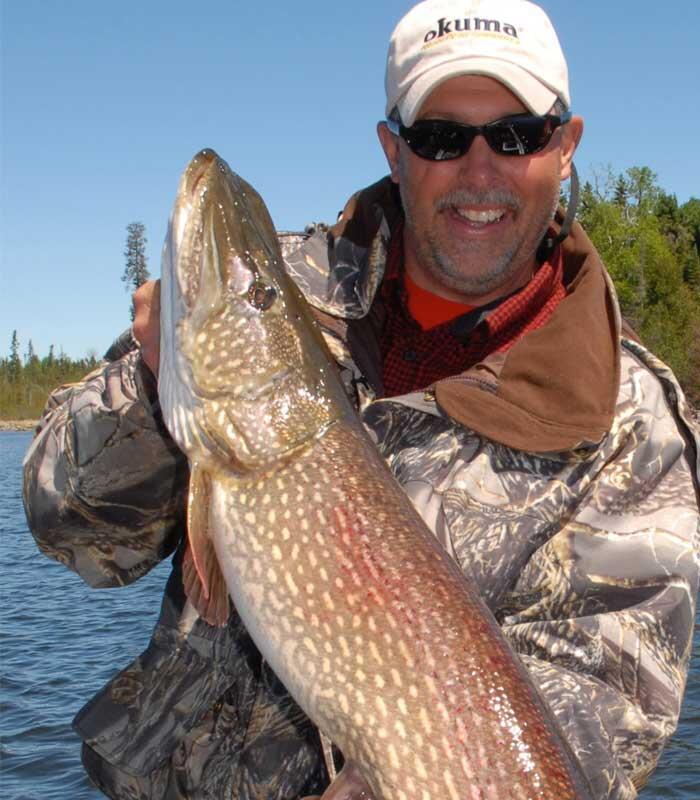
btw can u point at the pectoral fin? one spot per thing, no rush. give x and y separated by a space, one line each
202 578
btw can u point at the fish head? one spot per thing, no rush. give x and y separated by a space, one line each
245 376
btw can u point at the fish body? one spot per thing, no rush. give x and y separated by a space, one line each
374 631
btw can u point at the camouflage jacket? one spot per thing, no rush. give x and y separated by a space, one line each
561 475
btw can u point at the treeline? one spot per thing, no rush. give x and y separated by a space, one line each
26 379
651 247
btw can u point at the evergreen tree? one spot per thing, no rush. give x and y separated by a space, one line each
621 192
30 355
136 269
14 364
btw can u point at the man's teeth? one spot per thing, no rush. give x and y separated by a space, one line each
480 216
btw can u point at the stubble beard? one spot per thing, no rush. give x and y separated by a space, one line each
455 267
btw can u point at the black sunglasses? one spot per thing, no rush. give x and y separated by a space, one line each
443 139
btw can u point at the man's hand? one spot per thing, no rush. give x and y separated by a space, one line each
146 326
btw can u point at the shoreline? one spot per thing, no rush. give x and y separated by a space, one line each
18 424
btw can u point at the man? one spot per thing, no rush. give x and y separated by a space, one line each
547 449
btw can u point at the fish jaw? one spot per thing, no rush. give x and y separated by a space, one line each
243 369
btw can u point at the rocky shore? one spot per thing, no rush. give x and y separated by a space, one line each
18 424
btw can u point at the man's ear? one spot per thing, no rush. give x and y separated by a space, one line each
570 137
390 146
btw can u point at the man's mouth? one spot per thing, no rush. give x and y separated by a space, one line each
480 216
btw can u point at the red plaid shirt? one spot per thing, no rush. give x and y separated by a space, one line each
414 358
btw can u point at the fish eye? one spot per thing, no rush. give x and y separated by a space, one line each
261 296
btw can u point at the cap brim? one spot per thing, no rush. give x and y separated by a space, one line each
533 94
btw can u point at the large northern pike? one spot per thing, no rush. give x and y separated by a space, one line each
349 597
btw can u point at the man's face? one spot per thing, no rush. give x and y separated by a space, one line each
473 224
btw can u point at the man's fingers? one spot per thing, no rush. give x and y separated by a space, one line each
146 326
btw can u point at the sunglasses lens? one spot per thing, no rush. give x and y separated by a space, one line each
437 140
520 137
442 140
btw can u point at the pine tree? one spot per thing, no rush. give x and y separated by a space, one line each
621 192
14 364
30 356
136 269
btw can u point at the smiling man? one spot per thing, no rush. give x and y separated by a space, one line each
478 333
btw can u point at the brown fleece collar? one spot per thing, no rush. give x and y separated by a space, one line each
556 388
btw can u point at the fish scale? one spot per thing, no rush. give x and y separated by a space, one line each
374 631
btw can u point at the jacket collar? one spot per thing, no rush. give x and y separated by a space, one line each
555 389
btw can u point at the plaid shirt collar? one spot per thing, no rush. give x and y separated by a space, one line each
414 359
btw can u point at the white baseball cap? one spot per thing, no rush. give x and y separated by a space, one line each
512 41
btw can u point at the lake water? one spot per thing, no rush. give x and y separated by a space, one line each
60 641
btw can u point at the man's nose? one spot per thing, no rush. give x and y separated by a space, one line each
479 164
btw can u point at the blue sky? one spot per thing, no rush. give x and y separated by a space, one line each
103 104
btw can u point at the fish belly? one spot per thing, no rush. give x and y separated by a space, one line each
378 635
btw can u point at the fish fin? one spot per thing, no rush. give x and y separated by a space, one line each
202 578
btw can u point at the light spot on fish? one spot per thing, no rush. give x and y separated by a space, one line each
425 721
286 534
358 719
400 728
381 706
271 575
310 588
328 601
275 602
250 518
276 553
343 642
310 645
344 705
375 653
293 588
379 681
396 677
467 769
454 795
408 658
